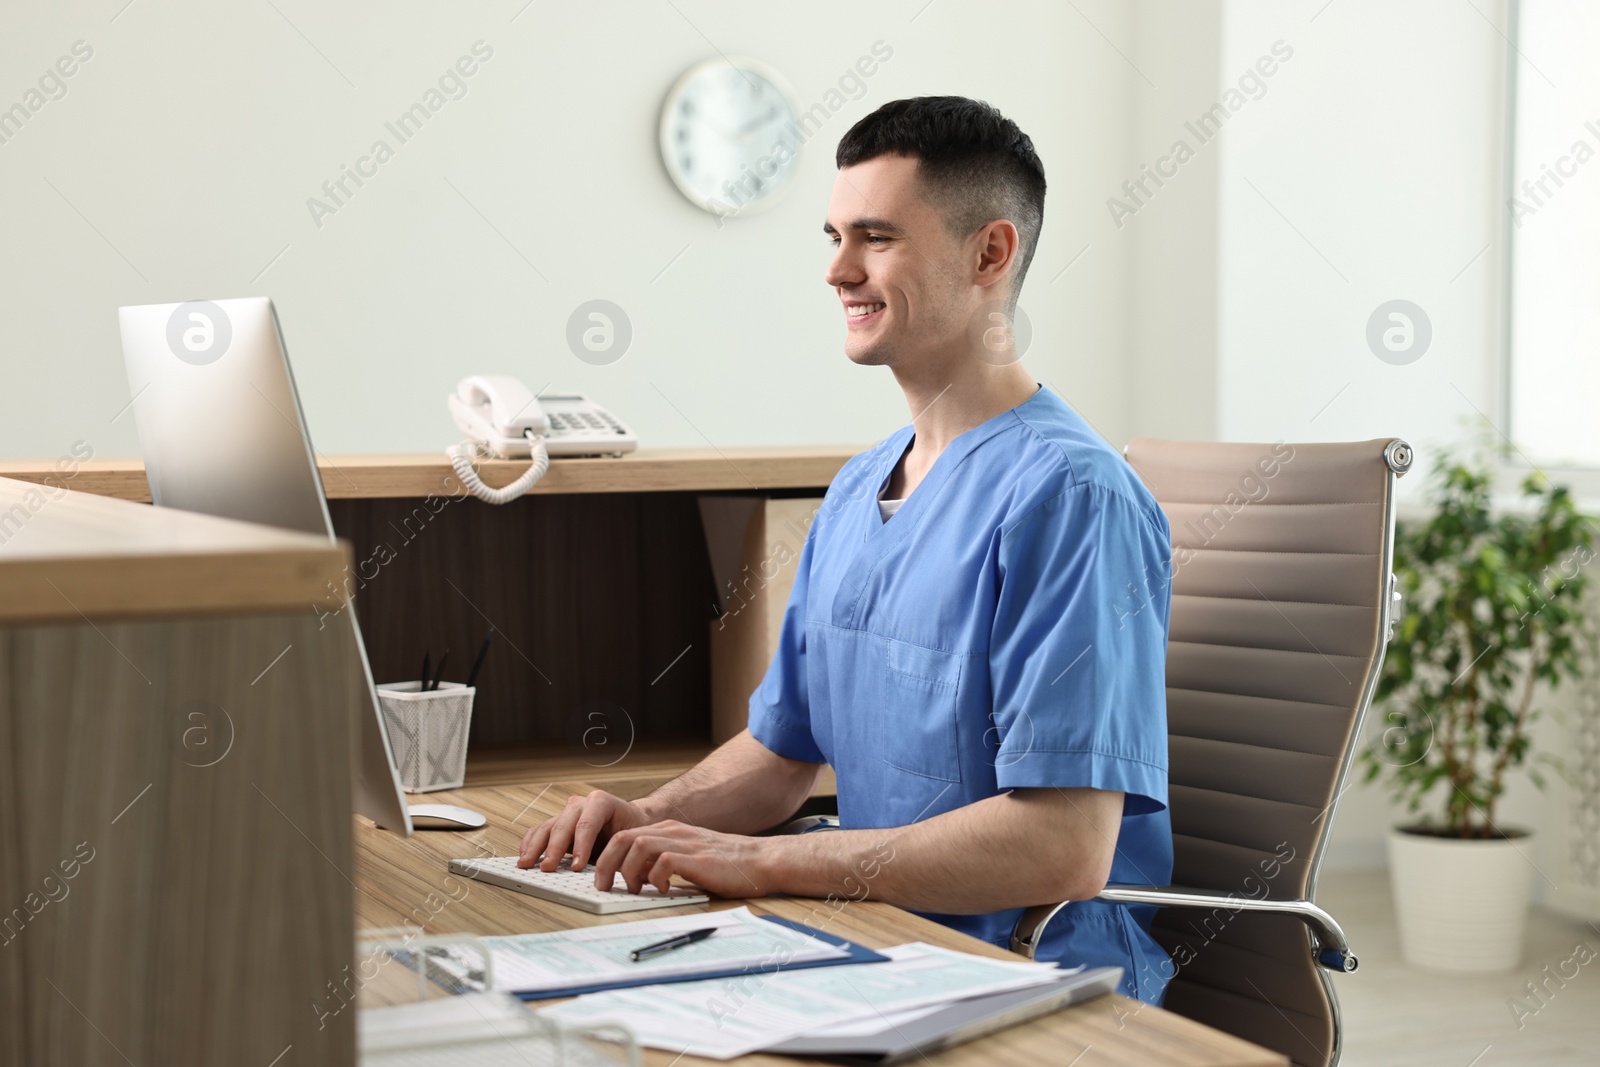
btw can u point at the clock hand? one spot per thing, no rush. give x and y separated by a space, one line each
751 126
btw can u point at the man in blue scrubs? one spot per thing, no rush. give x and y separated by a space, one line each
976 637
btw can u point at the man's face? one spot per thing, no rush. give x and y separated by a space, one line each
903 281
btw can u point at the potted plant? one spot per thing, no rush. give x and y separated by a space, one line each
1494 610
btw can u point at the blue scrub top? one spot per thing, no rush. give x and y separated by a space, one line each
1005 629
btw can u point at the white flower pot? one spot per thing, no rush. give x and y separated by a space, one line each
1462 905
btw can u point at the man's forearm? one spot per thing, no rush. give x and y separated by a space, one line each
741 788
1014 850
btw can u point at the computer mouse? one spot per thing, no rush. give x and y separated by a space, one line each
446 817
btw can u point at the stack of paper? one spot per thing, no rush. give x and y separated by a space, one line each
728 1017
572 960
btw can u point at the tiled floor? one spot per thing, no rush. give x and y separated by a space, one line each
1396 1015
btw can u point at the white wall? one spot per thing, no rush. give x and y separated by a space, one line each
1172 286
179 163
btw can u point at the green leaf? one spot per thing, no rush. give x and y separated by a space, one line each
1490 597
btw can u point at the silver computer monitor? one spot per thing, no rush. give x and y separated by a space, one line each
222 433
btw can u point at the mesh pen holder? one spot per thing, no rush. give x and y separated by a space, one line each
428 733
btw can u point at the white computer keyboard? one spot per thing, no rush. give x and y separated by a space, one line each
574 889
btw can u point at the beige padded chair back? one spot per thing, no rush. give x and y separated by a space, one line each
1280 592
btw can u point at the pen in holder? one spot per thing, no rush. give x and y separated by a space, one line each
428 733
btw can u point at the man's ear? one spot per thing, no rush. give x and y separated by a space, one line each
996 246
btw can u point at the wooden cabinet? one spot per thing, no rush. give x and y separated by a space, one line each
175 730
608 585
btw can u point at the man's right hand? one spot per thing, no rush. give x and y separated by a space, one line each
582 828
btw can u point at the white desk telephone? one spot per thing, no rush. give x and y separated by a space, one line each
502 419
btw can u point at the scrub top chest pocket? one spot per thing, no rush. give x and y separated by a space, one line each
916 714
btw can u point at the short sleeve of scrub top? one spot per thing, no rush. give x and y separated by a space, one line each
1078 625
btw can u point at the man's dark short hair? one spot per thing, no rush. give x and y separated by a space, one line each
975 164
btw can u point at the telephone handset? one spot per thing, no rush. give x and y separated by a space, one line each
502 419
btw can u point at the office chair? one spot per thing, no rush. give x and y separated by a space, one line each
1282 603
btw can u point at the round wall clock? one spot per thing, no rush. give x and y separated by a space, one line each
730 137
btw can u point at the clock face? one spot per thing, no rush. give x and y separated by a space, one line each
730 135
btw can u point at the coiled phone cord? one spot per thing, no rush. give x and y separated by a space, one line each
461 459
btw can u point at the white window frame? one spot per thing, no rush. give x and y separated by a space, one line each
1584 481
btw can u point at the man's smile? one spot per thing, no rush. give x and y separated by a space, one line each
859 314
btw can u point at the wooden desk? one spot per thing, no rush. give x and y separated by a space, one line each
411 475
402 881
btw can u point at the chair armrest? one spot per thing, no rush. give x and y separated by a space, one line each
1333 949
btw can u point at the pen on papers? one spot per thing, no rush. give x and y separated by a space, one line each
671 943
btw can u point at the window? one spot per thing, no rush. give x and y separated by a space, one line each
1554 207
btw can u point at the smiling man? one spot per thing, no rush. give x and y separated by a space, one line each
976 637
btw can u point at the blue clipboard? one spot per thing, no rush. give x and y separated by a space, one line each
858 954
